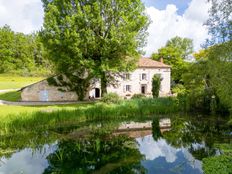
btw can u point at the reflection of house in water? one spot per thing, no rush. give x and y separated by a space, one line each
137 129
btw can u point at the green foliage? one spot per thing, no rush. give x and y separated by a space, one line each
138 96
94 37
156 80
178 89
201 94
111 98
106 154
220 70
184 45
219 54
175 54
219 164
11 96
140 108
20 53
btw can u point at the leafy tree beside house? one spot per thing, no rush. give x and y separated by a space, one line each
175 53
98 37
156 80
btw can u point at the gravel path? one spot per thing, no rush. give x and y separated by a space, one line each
8 90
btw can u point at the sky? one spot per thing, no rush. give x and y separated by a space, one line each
170 18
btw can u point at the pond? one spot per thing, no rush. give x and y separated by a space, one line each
166 145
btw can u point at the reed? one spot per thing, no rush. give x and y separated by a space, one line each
137 108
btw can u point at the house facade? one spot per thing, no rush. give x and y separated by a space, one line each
139 81
130 83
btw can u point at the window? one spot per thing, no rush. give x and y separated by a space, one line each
144 76
128 88
127 76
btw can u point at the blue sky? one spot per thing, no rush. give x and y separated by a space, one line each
170 18
182 5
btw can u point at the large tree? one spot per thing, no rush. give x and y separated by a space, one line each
20 53
175 53
99 37
220 54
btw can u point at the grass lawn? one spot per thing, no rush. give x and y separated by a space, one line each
14 82
11 96
15 111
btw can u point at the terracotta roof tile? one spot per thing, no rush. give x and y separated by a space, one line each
149 63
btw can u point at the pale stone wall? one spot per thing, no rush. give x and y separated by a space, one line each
136 82
42 91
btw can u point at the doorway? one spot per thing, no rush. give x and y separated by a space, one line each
97 93
143 89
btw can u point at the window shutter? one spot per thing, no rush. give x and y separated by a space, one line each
124 88
130 88
148 77
140 77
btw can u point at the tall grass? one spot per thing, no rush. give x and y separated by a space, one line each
98 112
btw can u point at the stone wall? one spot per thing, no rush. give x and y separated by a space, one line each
42 91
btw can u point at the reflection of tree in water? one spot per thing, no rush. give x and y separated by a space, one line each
199 136
156 133
9 144
102 154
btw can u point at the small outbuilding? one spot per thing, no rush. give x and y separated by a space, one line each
44 91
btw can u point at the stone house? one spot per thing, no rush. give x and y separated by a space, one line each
130 83
140 80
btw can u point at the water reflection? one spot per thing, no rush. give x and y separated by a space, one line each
170 145
161 157
27 161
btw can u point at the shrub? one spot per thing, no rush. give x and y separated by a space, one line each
111 98
218 164
156 85
179 88
138 96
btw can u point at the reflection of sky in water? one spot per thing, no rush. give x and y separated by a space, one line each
26 161
163 158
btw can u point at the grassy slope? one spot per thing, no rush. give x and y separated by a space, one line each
11 96
15 82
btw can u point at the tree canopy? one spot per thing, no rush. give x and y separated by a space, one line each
21 53
97 36
175 54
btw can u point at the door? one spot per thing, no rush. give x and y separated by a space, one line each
97 92
143 89
43 95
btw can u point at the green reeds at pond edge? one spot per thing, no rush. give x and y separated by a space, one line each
98 112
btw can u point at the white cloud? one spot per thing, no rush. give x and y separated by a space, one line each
167 24
22 15
154 149
27 161
27 16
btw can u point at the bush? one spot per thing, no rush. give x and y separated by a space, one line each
138 96
179 88
156 86
111 98
218 164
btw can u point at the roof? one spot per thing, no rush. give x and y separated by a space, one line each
149 63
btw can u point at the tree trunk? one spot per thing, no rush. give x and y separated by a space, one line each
103 84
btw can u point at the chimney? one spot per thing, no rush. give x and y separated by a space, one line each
161 60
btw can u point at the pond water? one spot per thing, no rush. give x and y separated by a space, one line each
167 145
